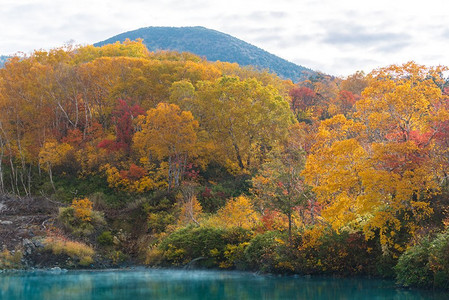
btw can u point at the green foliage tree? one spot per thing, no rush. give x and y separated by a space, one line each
279 184
242 118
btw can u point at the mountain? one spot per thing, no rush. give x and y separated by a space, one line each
3 59
213 45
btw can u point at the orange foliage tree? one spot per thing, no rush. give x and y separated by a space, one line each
375 171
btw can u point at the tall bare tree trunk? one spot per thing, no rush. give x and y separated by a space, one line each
2 184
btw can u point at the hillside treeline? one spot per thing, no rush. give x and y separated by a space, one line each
328 175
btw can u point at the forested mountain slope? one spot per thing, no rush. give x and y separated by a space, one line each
214 45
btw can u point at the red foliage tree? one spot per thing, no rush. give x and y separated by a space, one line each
345 100
124 114
123 117
302 98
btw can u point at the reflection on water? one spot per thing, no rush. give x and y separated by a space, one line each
180 284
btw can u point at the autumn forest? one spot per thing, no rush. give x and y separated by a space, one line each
167 159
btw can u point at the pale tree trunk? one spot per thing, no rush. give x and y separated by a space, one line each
2 184
188 191
50 174
289 216
170 166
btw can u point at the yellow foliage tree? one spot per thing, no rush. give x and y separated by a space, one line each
53 154
375 171
238 212
168 134
82 209
242 118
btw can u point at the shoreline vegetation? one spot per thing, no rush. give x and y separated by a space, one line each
116 156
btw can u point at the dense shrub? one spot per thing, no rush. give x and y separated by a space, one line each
158 221
426 264
105 238
237 239
439 259
314 251
413 268
160 212
261 251
209 246
80 219
190 243
317 250
323 250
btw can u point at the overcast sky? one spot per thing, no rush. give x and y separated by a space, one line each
335 37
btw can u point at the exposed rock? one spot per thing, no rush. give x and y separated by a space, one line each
38 244
28 246
23 219
57 270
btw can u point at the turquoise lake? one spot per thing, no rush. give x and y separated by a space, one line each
190 284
